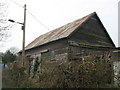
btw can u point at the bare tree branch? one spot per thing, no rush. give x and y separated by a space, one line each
4 25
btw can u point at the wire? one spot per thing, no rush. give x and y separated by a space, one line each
42 24
31 14
37 20
17 3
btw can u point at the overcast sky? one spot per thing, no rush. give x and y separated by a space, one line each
55 13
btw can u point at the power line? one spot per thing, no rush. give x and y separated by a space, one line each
17 3
37 20
31 15
42 24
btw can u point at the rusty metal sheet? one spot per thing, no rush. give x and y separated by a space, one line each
58 33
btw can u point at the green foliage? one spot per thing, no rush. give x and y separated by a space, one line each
17 77
8 57
93 73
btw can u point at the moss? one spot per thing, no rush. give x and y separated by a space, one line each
96 36
84 43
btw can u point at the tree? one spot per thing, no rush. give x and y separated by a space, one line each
4 25
14 50
8 57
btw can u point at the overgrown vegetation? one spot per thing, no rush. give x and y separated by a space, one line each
88 74
91 72
15 77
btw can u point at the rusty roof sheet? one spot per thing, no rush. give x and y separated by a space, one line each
59 33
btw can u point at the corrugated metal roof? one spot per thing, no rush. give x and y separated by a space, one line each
58 33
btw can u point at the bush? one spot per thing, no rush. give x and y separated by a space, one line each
14 77
74 74
92 72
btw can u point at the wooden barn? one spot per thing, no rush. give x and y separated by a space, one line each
81 38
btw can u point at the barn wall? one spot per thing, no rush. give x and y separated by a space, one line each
59 57
54 51
57 54
47 54
92 33
50 46
77 52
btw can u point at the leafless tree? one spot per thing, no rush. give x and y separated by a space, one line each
14 50
4 25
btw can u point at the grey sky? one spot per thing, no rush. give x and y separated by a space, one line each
55 13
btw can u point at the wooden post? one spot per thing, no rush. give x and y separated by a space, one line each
23 46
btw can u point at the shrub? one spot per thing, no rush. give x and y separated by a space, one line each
90 74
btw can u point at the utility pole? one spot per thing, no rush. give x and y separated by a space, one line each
23 28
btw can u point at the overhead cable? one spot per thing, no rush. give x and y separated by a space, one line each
31 15
38 20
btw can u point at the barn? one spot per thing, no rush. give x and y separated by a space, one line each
81 38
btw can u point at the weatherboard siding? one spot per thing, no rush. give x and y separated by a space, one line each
92 33
81 37
49 46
